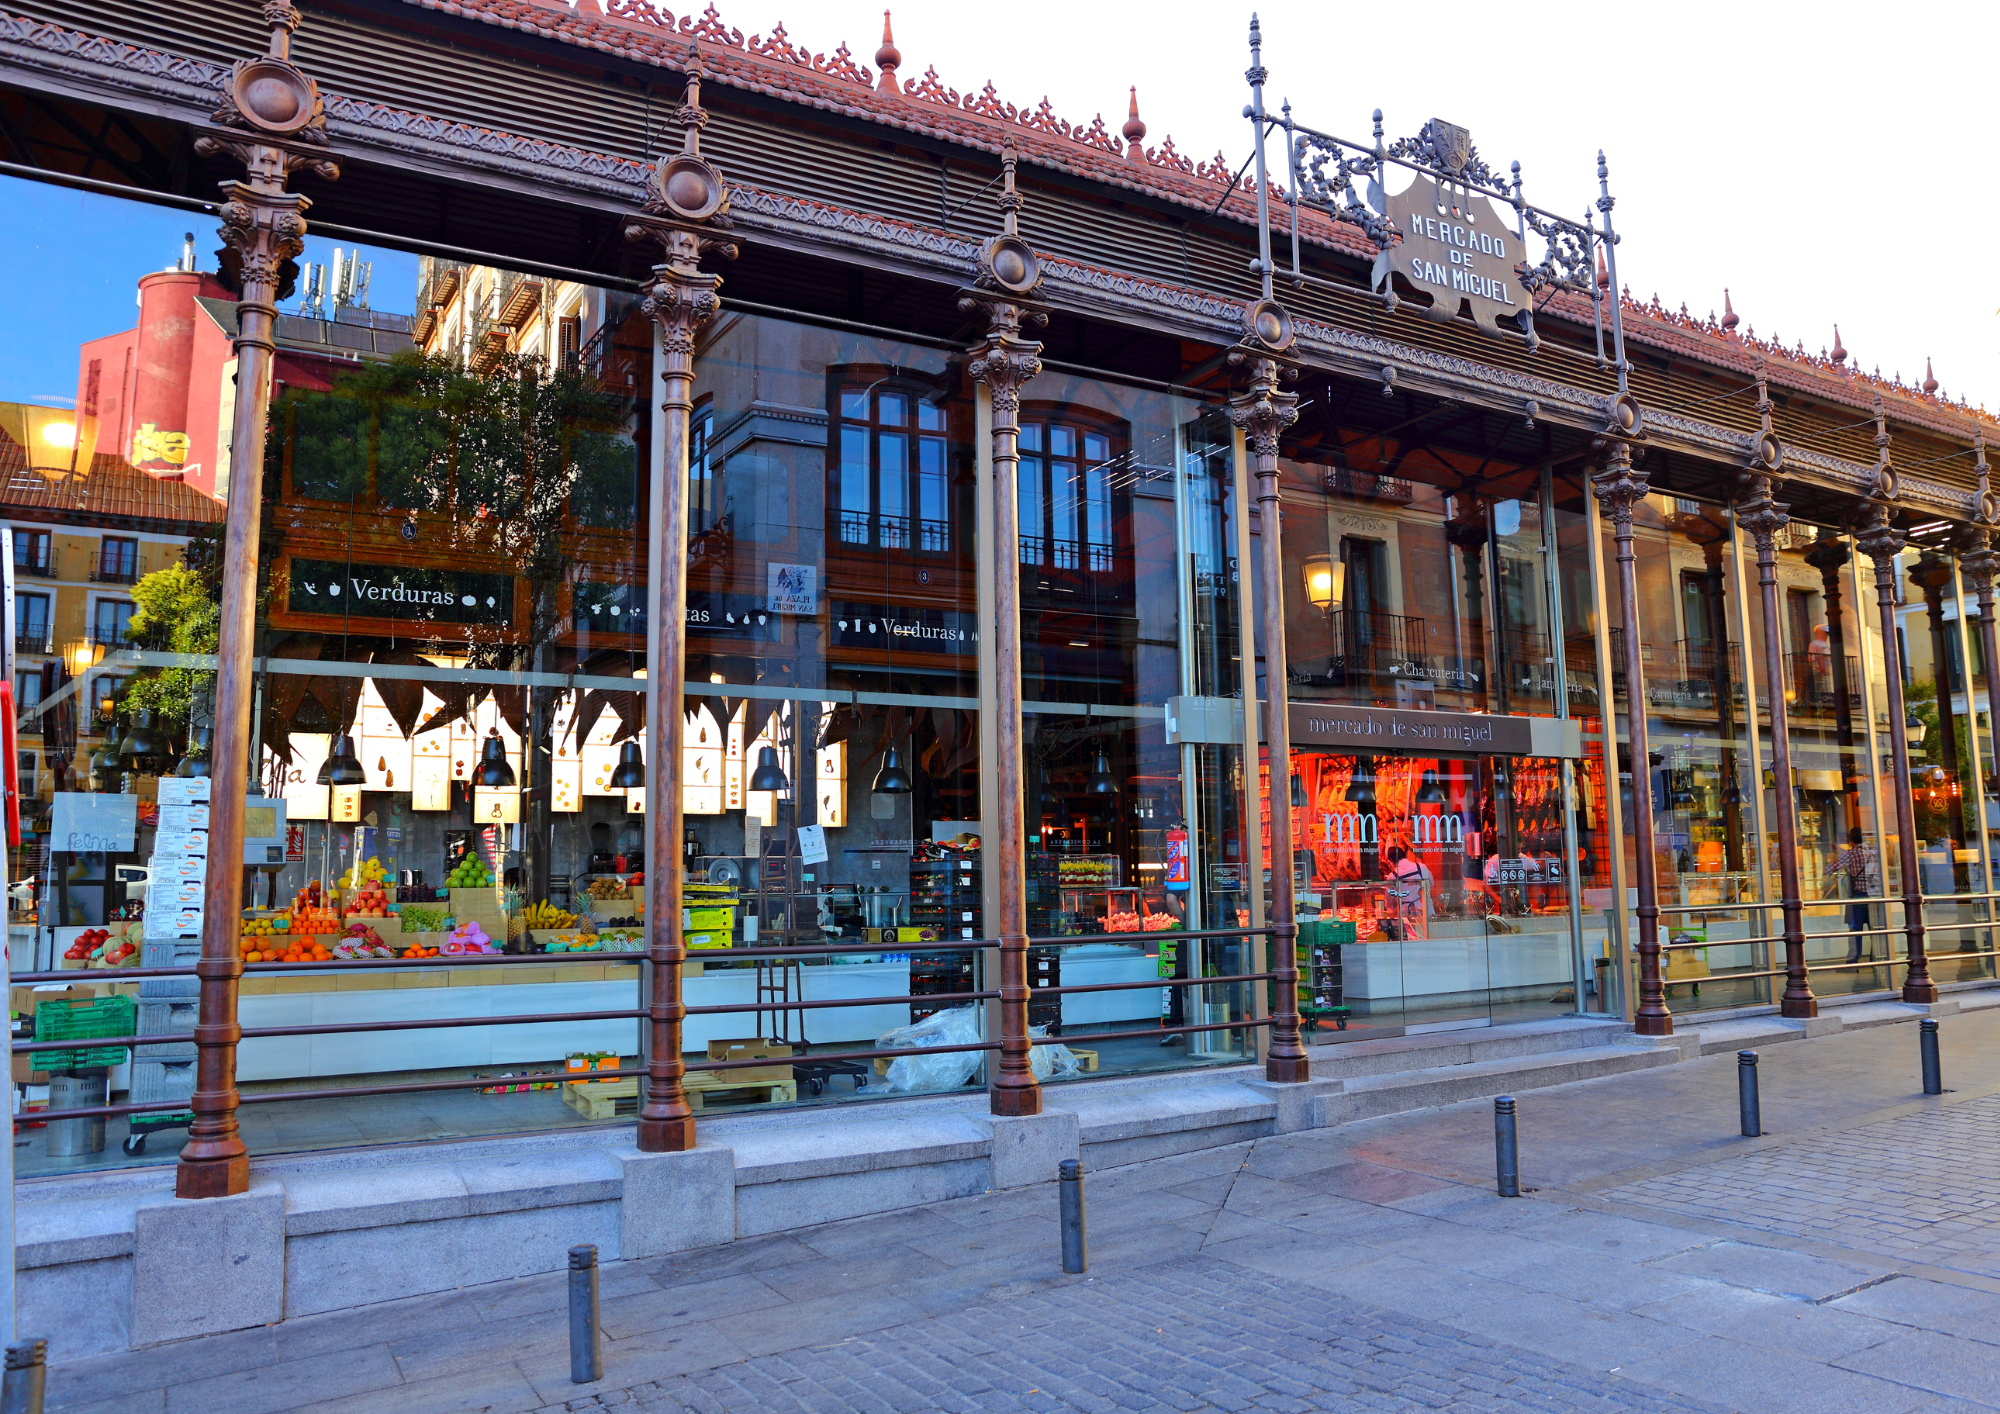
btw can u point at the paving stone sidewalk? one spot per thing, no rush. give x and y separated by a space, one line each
1238 1341
1661 1263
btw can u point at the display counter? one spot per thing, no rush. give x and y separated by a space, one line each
1458 959
339 996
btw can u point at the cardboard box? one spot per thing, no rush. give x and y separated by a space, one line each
25 1074
749 1048
21 1001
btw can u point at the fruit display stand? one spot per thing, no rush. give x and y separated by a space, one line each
306 996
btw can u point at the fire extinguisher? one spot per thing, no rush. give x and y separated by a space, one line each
1177 858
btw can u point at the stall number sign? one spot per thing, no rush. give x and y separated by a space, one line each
1456 247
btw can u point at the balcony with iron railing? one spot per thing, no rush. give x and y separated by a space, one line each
31 642
1809 684
38 567
100 574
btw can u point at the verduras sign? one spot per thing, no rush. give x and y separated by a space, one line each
396 592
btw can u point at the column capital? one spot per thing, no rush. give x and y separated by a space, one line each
1828 554
1978 560
1260 408
1880 541
1005 359
1619 485
1761 513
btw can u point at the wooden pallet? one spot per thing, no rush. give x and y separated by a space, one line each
607 1099
603 1099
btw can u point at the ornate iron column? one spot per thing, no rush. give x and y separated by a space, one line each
1932 576
1763 516
1880 541
1262 411
1618 487
1829 555
271 121
688 207
1009 274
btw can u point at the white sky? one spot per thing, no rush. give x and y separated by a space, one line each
1826 162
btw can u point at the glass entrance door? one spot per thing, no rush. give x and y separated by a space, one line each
1442 882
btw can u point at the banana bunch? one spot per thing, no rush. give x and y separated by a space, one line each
547 915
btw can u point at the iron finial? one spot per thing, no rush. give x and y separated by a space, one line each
1134 130
888 59
1930 379
1729 316
1839 354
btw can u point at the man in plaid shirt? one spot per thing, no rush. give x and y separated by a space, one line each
1857 862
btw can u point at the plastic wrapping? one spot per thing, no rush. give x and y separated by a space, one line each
909 1075
951 1070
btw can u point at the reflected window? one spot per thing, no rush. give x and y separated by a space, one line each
31 552
118 560
31 623
111 622
1069 519
891 473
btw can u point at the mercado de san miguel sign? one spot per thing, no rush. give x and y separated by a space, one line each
1457 245
1370 730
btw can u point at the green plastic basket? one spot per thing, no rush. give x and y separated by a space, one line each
82 1021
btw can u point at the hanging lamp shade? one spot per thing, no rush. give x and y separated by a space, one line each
1914 729
494 772
769 775
1429 792
1361 790
1102 782
1298 791
139 741
342 767
892 779
630 772
195 763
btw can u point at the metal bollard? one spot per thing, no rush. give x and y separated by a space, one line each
1927 1047
586 1363
1746 1094
1506 1147
1075 1238
26 1378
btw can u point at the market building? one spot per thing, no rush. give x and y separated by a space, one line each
792 585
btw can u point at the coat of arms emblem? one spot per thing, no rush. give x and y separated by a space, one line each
1451 145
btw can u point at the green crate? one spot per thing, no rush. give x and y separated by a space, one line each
1325 932
81 1021
709 920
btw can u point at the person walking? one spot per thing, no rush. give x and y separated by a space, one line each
1864 882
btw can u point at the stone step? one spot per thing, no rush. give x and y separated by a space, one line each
1354 1059
1370 1097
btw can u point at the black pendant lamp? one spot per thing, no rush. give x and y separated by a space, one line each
494 771
1102 782
769 775
139 741
892 779
1429 792
1361 790
342 766
1298 791
630 772
194 765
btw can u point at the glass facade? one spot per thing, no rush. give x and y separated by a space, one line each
449 740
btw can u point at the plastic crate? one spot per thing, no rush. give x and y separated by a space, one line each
709 920
80 1021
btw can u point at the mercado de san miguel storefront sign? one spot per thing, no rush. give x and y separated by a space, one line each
1456 245
1321 726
